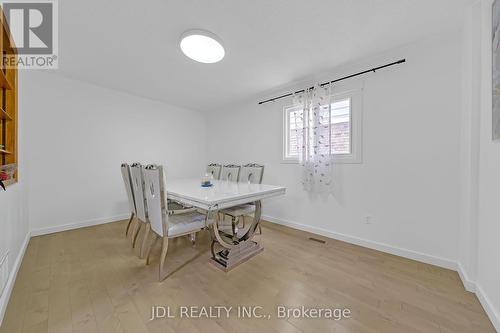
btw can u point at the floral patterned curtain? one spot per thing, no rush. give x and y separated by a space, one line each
314 131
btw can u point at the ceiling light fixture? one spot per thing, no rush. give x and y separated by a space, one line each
202 46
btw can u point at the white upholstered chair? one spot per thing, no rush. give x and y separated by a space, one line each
214 169
127 180
163 224
140 201
142 211
250 173
230 172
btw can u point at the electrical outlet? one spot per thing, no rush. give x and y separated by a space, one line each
368 219
4 272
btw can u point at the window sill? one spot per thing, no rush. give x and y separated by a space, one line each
337 160
289 161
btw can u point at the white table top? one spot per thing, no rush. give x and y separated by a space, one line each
222 194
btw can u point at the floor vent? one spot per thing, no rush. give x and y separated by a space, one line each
4 272
317 240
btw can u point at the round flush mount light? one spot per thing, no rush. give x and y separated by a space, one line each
202 46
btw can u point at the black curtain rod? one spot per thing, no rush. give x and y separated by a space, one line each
337 80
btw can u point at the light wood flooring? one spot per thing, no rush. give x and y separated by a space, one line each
90 280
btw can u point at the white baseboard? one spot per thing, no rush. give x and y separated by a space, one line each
77 225
4 299
469 285
418 256
492 313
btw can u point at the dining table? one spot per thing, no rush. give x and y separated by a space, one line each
213 199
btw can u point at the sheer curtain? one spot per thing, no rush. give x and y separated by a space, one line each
314 131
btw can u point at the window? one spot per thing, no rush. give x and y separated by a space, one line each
345 136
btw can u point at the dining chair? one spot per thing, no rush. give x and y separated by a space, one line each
230 172
142 211
164 224
127 180
251 173
140 201
214 169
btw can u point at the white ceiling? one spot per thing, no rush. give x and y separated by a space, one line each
133 45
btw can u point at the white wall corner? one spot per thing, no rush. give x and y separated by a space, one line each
4 299
469 285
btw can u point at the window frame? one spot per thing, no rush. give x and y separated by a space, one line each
355 96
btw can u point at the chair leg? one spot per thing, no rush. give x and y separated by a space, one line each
192 238
128 224
136 233
145 240
164 249
150 247
133 225
260 229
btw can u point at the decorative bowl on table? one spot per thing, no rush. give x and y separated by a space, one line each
206 180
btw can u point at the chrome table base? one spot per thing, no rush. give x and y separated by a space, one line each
236 250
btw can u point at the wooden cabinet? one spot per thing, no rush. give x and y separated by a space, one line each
8 107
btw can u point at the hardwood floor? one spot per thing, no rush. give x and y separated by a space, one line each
90 280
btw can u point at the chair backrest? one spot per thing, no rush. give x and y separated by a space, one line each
230 172
251 173
214 169
138 190
155 194
127 180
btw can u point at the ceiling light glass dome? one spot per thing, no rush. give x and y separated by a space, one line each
202 46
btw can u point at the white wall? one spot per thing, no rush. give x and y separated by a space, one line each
14 223
14 233
469 145
13 220
479 230
79 134
408 181
488 264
